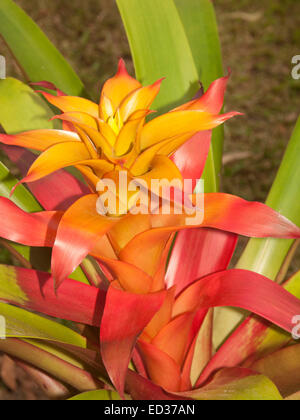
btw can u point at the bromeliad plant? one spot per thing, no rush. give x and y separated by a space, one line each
138 317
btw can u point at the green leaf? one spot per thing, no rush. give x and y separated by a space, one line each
20 323
100 395
237 384
21 108
266 256
57 363
79 275
200 25
37 56
178 40
21 197
160 48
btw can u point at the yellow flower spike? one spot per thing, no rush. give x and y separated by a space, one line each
115 131
111 122
107 132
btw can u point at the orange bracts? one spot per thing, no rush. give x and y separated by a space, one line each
106 140
115 134
154 312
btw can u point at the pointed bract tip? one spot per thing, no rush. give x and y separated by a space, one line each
228 115
44 83
159 81
56 117
48 85
229 72
157 84
224 117
4 137
46 95
122 68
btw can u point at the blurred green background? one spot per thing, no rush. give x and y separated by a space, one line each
259 39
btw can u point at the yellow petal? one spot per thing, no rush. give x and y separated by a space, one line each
115 90
107 132
139 99
57 157
88 143
127 229
72 103
89 175
99 141
178 123
77 116
162 168
39 139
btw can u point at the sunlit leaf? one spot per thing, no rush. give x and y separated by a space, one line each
34 52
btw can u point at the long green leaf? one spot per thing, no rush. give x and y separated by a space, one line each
57 363
237 384
160 48
266 256
20 323
21 108
21 197
178 40
37 56
200 25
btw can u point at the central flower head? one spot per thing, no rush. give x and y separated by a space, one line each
103 140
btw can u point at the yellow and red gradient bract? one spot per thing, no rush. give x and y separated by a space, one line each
101 140
114 135
161 312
